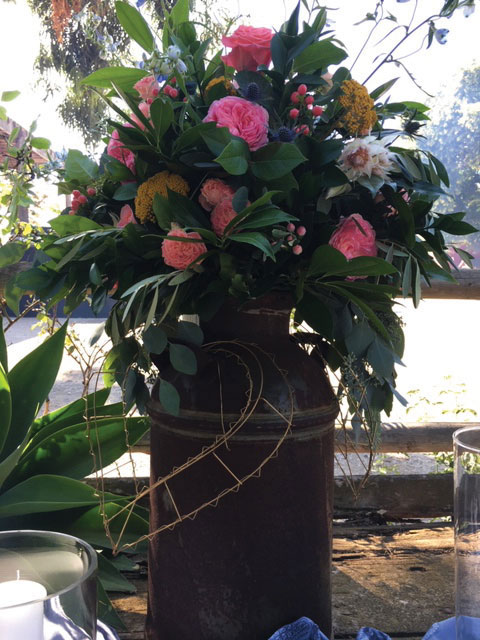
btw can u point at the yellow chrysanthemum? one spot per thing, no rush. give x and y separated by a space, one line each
157 184
360 115
221 80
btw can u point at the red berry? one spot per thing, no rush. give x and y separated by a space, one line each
301 231
155 92
174 93
81 199
295 97
289 238
302 89
317 111
76 193
303 129
75 205
173 80
297 250
309 100
290 227
91 191
166 89
294 113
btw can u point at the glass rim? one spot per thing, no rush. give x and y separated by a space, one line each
456 438
92 566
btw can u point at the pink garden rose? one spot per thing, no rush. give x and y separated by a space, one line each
250 48
354 237
145 109
213 192
117 150
148 88
180 254
244 119
222 214
126 217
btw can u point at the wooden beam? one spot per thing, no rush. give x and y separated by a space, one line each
386 497
467 287
396 437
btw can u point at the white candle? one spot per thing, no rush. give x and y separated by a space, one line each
21 622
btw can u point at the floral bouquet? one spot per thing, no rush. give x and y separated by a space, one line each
226 176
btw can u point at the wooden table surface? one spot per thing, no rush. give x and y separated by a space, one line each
397 580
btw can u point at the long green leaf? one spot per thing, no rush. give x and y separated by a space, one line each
5 406
68 450
48 493
135 25
3 349
31 380
124 77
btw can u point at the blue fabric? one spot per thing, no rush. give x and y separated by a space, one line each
58 626
305 629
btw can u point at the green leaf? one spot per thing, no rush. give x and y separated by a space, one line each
316 314
234 158
135 25
180 12
359 339
190 332
383 88
256 239
161 115
47 493
5 406
66 225
261 219
381 357
326 259
3 348
182 358
106 610
365 266
163 211
111 578
276 160
41 143
240 199
318 56
80 168
68 450
155 340
31 380
126 191
95 275
8 96
82 406
169 398
216 138
11 253
123 77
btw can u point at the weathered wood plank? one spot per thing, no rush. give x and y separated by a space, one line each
389 496
398 582
396 437
467 287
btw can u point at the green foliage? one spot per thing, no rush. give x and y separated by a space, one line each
43 459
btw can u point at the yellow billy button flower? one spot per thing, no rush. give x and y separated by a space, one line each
221 80
157 184
360 115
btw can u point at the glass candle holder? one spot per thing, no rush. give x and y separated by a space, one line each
48 586
466 444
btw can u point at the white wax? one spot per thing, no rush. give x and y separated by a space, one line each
21 621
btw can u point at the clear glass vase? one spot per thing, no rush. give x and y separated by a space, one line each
48 586
466 444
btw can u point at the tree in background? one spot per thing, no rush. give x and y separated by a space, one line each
453 135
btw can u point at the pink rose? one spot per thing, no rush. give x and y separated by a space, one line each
144 107
250 48
126 217
244 119
117 150
222 215
147 87
354 237
179 254
213 192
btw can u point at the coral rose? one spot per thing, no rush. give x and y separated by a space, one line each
222 215
244 119
179 254
126 217
354 237
213 192
147 87
116 149
250 48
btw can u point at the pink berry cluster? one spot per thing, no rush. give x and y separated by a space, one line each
78 198
169 90
292 239
304 104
